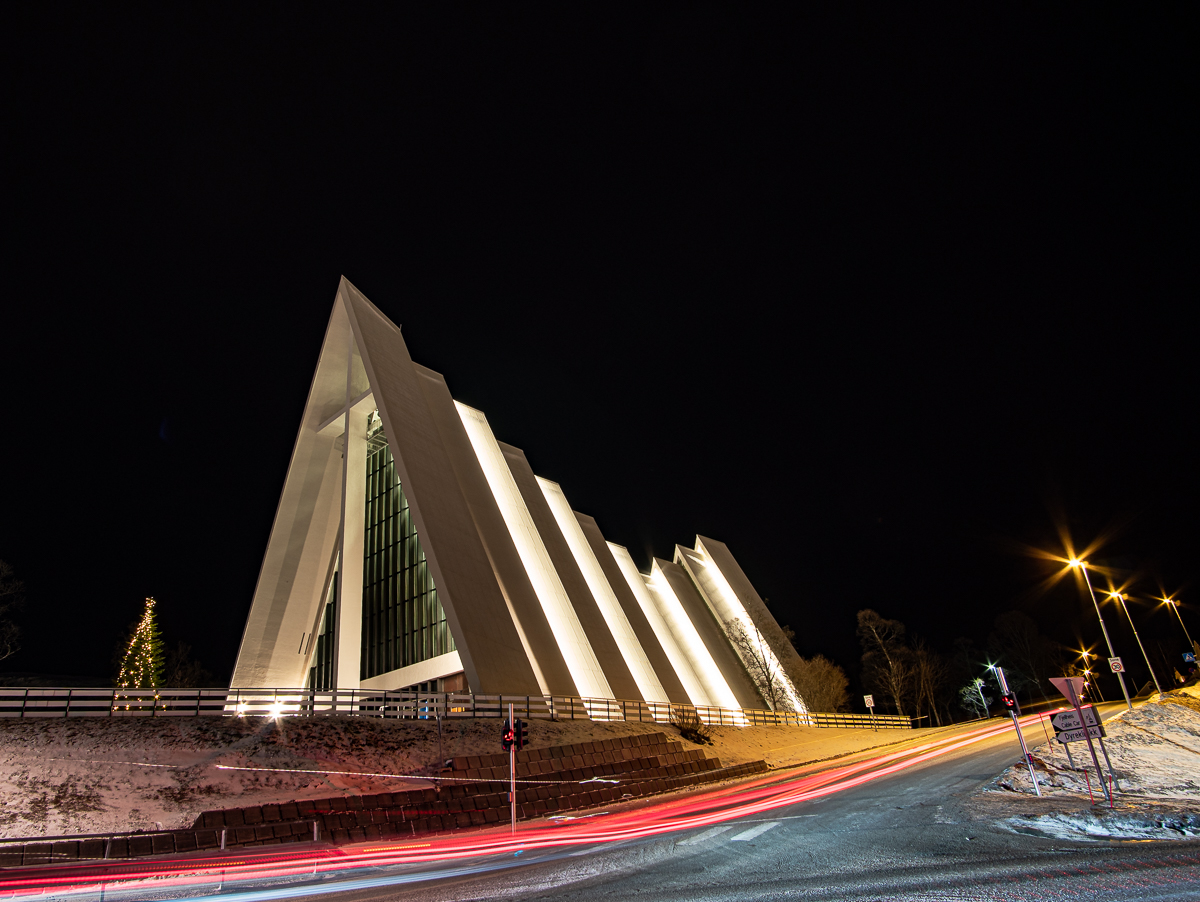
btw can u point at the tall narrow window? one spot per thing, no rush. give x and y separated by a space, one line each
403 622
320 675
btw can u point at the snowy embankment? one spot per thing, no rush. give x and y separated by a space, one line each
100 775
1155 754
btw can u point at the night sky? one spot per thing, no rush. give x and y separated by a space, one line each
879 299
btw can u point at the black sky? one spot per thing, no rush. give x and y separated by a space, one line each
874 297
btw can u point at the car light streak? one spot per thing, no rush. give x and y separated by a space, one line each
744 799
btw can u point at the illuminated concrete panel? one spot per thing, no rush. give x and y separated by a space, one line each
670 624
347 649
585 669
595 627
603 598
732 597
422 672
290 587
724 656
709 651
538 644
493 655
647 640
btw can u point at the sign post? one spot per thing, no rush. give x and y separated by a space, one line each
1070 687
870 703
1010 702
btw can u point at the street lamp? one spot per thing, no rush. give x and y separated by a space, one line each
1121 600
1082 565
1175 607
1087 673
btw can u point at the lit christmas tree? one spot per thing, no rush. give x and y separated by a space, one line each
142 666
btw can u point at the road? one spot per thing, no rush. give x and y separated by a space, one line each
901 826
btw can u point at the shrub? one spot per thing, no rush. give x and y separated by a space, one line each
690 726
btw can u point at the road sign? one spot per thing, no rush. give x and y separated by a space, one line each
1066 684
1069 720
1071 687
869 700
1079 735
1189 657
1116 665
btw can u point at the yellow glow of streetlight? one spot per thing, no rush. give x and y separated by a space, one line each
1075 562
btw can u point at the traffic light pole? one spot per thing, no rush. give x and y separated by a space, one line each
1020 737
512 774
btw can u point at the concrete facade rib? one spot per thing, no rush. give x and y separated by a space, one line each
493 654
647 639
601 593
599 637
715 572
721 653
568 634
289 592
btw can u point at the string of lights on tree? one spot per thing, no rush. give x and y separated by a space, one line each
142 665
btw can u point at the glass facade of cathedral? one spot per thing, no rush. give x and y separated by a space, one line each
320 675
403 622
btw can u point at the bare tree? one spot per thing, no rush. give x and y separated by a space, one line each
182 671
931 672
12 596
1016 640
761 664
822 684
975 697
887 661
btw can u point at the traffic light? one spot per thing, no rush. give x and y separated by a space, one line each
1010 702
508 736
519 734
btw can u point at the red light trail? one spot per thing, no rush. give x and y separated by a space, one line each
744 799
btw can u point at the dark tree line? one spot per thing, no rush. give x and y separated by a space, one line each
910 678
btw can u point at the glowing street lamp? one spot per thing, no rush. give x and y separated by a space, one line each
1087 673
1121 601
1082 565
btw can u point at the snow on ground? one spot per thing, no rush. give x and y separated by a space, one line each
1155 754
97 775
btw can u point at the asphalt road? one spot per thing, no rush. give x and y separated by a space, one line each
917 834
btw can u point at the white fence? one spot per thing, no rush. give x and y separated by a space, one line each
40 702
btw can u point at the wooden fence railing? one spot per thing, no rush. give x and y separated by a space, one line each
41 702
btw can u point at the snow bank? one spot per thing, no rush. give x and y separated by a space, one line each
1155 754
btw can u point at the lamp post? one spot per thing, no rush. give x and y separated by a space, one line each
1175 607
1082 565
1121 599
1087 674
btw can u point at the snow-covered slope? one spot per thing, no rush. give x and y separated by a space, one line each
1155 753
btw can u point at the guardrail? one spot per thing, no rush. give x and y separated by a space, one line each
42 702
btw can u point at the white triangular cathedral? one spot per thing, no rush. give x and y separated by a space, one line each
412 549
